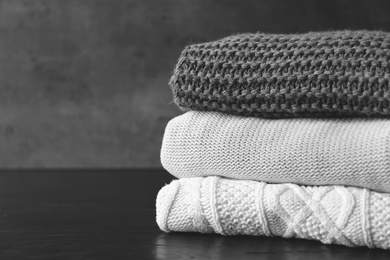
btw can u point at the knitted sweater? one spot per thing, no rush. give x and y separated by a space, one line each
322 74
308 151
330 214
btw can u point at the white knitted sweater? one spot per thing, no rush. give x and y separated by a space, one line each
353 152
331 214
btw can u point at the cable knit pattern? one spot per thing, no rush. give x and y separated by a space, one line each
308 151
331 214
316 74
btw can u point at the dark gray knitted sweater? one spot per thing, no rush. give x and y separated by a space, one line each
322 74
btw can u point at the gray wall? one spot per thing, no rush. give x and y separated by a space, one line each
84 83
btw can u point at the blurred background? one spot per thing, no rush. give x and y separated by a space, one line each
84 83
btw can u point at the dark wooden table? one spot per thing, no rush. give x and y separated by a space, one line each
110 214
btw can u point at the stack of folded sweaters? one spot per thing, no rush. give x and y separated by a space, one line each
284 135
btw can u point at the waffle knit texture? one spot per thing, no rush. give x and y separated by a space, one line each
344 151
316 74
331 214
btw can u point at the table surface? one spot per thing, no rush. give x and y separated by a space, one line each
110 214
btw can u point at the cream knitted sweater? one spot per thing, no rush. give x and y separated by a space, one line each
353 152
331 214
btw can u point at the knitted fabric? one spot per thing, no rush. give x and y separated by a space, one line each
344 151
322 74
331 214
